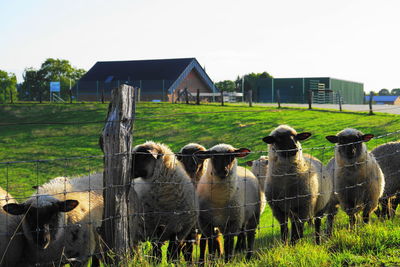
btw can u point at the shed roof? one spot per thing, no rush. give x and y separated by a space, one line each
382 98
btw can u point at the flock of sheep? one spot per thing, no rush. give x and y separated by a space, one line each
200 191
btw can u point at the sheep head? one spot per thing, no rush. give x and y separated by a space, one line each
223 158
350 143
192 164
42 217
286 141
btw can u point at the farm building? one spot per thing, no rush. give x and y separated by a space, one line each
296 90
384 99
158 80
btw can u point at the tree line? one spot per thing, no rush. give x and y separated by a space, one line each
246 82
394 91
35 86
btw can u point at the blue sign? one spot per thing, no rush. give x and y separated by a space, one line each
55 87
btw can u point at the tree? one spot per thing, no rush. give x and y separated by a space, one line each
384 92
227 85
395 91
36 82
250 81
8 87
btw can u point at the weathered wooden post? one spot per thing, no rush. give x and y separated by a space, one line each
222 97
116 143
198 97
11 97
250 98
340 102
186 96
102 95
371 94
310 92
278 97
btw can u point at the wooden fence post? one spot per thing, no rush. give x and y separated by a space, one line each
340 102
11 97
198 97
116 143
102 95
250 98
310 93
70 95
222 97
186 96
371 94
278 97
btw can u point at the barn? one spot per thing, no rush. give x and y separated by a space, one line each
323 90
158 79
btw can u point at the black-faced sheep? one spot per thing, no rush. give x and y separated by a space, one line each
229 198
60 227
358 179
297 186
388 158
167 197
11 241
195 168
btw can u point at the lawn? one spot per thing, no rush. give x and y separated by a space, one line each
39 142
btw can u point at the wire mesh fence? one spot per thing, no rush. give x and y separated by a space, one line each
181 203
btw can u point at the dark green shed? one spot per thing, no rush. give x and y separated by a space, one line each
295 90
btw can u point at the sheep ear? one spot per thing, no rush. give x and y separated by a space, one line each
332 138
269 139
179 156
154 153
67 205
303 136
15 209
203 154
367 137
249 163
241 152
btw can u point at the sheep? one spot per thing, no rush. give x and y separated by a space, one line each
229 198
387 156
11 241
259 169
166 195
358 179
195 168
297 186
60 226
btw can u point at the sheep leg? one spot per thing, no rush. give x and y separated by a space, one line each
352 218
395 203
385 208
187 247
241 241
251 234
228 246
367 211
173 249
156 251
283 222
297 230
218 247
317 225
332 211
203 246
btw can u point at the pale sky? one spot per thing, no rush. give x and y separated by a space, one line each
356 40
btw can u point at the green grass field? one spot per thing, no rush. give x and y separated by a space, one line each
39 142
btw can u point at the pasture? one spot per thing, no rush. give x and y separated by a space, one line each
39 142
